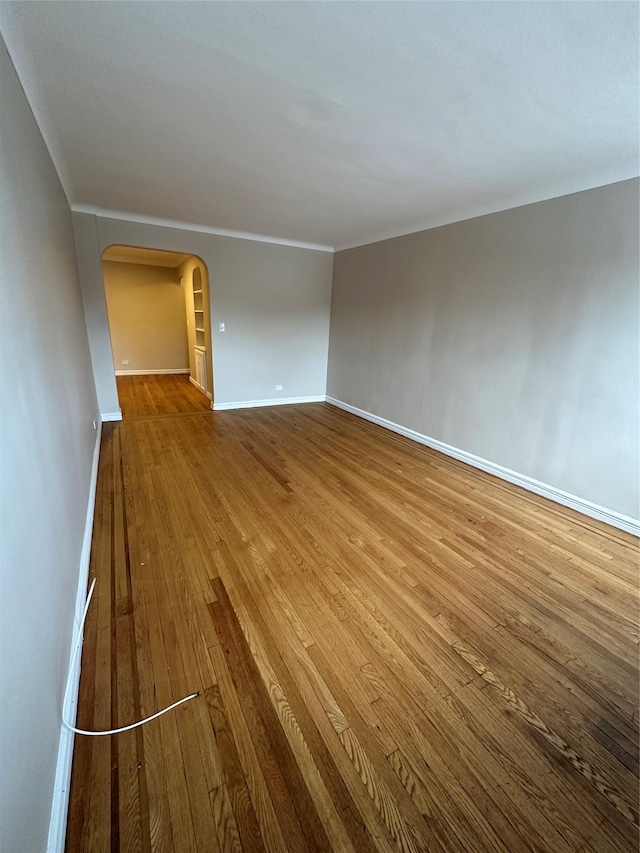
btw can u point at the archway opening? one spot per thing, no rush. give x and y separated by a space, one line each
158 306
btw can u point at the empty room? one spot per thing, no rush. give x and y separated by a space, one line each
320 426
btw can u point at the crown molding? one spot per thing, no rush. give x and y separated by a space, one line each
192 226
434 222
476 213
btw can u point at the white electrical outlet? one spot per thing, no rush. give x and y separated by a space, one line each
221 327
278 387
125 361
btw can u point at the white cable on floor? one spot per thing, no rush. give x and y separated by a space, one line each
71 667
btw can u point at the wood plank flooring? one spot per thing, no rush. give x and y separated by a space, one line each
392 650
159 394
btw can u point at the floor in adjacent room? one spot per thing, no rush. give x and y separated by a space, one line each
393 650
159 394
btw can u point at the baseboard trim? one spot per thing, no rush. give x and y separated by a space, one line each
62 782
600 513
282 401
162 372
195 384
105 417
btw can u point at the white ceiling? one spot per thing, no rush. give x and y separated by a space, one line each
329 122
149 257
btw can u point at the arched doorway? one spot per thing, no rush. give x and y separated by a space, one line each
158 308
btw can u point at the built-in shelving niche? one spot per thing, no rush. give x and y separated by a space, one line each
198 307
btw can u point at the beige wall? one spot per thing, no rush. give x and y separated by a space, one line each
274 300
513 337
147 320
47 405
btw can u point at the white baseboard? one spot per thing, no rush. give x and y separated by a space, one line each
62 783
601 513
111 416
199 387
163 371
282 401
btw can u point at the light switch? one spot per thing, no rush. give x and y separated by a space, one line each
221 327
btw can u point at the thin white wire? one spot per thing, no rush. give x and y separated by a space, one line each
71 668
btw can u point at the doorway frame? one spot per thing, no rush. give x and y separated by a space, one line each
204 271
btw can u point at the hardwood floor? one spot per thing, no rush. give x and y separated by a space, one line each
159 394
393 650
